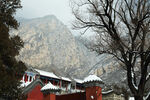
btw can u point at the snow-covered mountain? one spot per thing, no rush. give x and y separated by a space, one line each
49 45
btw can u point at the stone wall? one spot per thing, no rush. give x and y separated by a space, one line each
112 96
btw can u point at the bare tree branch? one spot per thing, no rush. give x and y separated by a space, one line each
123 32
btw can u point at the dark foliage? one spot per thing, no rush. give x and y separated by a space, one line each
11 70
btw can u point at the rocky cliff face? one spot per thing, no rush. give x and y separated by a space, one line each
48 41
50 46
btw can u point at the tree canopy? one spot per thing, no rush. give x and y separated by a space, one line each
122 30
11 70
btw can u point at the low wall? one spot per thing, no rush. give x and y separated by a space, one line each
74 96
35 94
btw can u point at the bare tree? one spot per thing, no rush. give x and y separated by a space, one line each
123 31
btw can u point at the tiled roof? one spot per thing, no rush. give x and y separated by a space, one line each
66 79
78 80
49 86
92 78
48 74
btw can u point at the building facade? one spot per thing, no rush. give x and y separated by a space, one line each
64 83
42 85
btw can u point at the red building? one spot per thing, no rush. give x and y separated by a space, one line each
67 85
41 85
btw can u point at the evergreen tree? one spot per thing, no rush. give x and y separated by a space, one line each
11 70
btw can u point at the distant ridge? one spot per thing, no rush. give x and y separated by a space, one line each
47 38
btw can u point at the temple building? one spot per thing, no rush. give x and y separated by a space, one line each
41 85
64 83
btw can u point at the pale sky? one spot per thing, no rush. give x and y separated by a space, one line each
40 8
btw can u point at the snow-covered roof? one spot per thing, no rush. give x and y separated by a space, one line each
92 78
23 84
49 86
48 74
78 80
66 79
30 73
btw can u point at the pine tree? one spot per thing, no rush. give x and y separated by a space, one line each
11 70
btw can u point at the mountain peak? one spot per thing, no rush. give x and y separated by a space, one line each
46 18
43 19
47 40
49 16
49 43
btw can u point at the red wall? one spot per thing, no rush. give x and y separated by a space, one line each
52 97
75 96
46 97
49 97
93 93
35 94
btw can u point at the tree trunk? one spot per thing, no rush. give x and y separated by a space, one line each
126 98
126 95
138 97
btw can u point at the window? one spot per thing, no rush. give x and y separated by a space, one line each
30 78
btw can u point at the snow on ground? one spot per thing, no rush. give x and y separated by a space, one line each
131 98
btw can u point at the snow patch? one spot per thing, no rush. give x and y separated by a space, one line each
78 80
131 98
134 85
49 86
92 97
132 74
66 79
146 98
48 74
107 92
91 78
147 76
24 84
